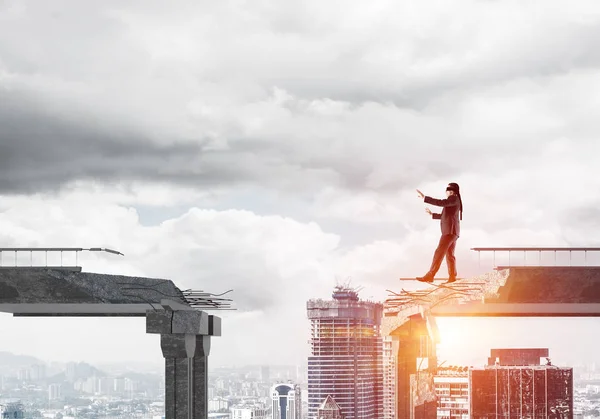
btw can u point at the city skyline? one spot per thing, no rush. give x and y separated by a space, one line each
281 156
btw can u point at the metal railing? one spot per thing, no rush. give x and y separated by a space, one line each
46 250
585 251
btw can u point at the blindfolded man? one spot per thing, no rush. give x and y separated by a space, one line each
450 225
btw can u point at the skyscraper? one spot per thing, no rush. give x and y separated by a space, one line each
389 379
54 392
286 401
514 384
38 372
265 374
346 355
452 392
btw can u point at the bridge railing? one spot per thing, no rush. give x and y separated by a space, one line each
73 252
538 250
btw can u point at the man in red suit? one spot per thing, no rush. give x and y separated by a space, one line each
450 225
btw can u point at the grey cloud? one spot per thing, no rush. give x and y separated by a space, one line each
43 150
545 49
40 152
85 40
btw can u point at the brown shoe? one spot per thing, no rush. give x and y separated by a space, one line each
450 280
426 278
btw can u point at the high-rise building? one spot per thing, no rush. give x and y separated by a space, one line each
218 404
346 355
521 357
106 385
286 402
119 386
38 372
54 392
265 374
299 374
410 363
512 386
329 409
71 372
132 386
24 374
452 391
389 379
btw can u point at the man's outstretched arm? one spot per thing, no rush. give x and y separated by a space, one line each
433 214
451 201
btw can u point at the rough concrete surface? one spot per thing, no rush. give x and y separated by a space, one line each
515 291
40 290
550 284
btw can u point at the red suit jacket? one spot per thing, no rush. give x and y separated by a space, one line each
450 221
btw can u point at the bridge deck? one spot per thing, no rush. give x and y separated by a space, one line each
513 291
517 310
60 292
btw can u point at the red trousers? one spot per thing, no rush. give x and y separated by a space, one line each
445 248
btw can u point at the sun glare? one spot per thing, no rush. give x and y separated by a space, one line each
464 341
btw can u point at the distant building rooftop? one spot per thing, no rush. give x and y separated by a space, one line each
341 293
517 356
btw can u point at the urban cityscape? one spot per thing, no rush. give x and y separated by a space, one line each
299 209
351 374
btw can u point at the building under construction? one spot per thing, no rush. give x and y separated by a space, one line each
346 355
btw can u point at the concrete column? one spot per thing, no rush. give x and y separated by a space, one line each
185 342
406 345
186 380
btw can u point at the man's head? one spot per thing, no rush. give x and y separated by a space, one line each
452 189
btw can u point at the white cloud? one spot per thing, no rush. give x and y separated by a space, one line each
289 96
274 264
341 108
269 262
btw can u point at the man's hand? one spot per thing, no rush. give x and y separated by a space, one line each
428 211
421 195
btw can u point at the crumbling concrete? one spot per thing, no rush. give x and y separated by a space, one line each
51 292
541 291
515 291
185 342
550 284
414 350
185 332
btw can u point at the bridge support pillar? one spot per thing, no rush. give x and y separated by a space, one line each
413 345
185 342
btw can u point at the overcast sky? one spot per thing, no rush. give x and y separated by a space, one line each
275 147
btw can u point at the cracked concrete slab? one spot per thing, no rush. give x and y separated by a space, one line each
550 284
517 291
60 292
